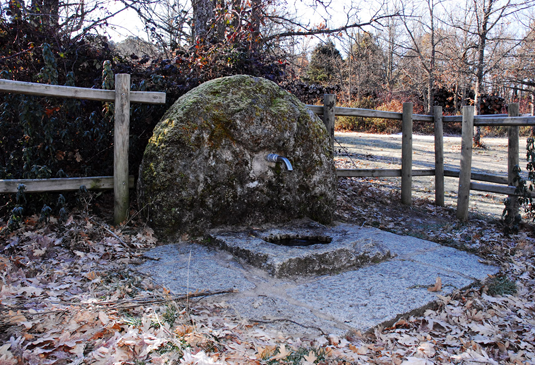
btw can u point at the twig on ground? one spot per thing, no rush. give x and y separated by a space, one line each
287 320
112 233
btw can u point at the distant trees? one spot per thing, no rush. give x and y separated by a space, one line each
65 18
424 37
411 49
325 64
491 40
365 65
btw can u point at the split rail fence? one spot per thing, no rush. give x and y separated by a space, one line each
513 120
120 182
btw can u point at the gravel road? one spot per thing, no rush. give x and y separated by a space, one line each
366 151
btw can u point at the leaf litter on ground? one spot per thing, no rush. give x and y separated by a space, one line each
70 294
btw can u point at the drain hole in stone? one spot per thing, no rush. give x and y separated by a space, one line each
297 240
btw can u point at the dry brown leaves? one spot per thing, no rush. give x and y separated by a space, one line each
70 295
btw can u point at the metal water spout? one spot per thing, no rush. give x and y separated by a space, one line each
273 157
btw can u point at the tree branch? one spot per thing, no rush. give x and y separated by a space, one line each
328 31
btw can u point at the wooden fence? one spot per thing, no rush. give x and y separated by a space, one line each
465 175
120 182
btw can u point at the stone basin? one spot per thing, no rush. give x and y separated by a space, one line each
325 250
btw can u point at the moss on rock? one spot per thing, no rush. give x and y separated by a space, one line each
205 163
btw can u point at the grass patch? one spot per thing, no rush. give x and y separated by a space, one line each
501 285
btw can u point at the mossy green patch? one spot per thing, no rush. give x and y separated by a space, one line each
205 164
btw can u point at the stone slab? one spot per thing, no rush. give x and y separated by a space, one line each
183 268
311 305
376 294
344 250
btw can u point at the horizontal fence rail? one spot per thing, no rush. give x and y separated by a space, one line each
498 189
61 184
122 96
512 120
368 113
478 176
420 172
380 173
479 120
494 120
72 92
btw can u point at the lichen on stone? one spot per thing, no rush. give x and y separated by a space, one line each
205 164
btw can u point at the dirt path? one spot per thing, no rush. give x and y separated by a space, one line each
360 150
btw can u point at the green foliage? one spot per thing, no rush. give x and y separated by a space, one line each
510 216
21 195
367 61
45 214
296 357
15 219
49 73
357 123
132 321
53 137
501 285
108 78
324 63
171 314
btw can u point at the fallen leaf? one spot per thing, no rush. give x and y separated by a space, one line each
333 340
15 318
39 253
264 352
60 155
416 361
91 275
283 353
310 358
426 349
103 318
437 286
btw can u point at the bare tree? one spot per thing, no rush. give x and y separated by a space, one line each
69 18
490 41
365 65
424 38
166 22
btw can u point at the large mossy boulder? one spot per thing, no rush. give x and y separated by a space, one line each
205 164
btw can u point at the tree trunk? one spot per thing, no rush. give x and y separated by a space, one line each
455 93
220 8
477 104
431 80
532 110
482 35
203 14
256 9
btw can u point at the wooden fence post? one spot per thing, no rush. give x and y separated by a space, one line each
439 157
463 194
329 103
512 153
120 145
406 155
